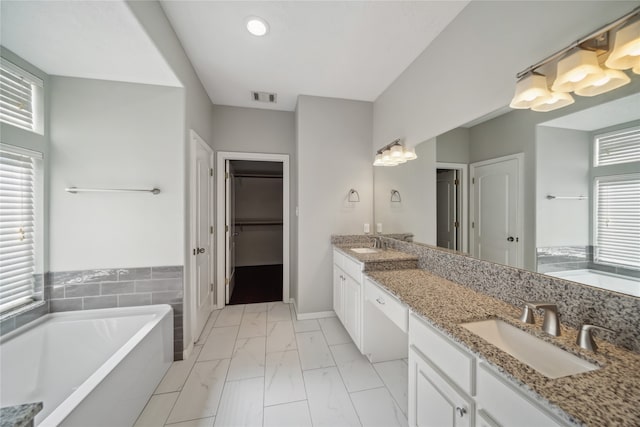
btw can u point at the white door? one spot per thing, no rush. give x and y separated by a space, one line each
447 209
202 217
496 215
230 231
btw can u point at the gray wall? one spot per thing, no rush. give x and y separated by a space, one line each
453 146
254 130
333 145
115 135
562 169
195 114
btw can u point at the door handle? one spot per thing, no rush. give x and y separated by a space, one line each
200 251
510 239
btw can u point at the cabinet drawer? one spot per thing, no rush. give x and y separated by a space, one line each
352 268
505 404
396 311
455 362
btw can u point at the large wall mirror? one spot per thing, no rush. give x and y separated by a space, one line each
556 193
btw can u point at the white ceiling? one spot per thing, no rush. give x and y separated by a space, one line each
601 116
341 49
88 39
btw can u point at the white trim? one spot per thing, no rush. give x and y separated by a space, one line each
222 156
14 149
463 168
310 316
519 157
15 69
195 140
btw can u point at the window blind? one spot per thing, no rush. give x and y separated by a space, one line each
618 220
17 226
618 147
17 95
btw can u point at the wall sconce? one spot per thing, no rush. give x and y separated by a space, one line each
394 154
353 196
579 69
395 196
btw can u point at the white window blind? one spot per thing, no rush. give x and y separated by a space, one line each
17 96
618 220
622 146
17 229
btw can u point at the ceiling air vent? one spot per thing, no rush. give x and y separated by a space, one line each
264 97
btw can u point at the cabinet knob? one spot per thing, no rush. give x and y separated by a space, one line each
380 301
461 411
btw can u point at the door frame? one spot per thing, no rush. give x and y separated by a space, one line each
195 140
222 156
519 157
463 171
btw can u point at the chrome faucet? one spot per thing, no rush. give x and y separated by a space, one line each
550 324
378 243
585 339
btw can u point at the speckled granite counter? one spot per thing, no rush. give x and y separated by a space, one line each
387 259
609 396
19 415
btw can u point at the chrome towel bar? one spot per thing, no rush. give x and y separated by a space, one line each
75 190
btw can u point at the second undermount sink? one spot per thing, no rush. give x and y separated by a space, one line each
365 250
546 358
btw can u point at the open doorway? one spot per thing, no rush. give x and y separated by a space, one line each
256 231
451 206
253 224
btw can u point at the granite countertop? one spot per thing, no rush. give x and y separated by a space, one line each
607 396
383 255
19 415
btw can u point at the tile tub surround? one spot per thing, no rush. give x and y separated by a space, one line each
563 258
577 303
120 287
27 313
19 415
607 396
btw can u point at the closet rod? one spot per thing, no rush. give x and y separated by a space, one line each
255 175
75 190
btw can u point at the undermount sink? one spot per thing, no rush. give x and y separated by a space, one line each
365 250
549 360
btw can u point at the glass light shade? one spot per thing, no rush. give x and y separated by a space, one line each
636 67
626 47
378 161
557 100
612 79
410 153
530 89
386 156
397 151
574 68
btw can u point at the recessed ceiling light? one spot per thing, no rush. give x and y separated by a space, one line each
257 26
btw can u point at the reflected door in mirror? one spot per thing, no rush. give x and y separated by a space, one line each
494 205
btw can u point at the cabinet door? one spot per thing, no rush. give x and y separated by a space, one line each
433 401
338 301
352 307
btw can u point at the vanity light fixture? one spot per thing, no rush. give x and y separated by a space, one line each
579 69
257 26
394 154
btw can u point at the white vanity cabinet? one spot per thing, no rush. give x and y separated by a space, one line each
347 294
449 387
441 379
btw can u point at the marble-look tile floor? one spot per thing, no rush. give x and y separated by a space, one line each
255 365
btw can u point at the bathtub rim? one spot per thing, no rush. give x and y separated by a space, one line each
64 409
569 274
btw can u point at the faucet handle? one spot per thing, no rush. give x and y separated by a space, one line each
527 312
551 323
585 339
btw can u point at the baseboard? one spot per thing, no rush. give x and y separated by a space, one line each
187 351
309 316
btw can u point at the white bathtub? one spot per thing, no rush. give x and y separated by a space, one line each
89 368
613 282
